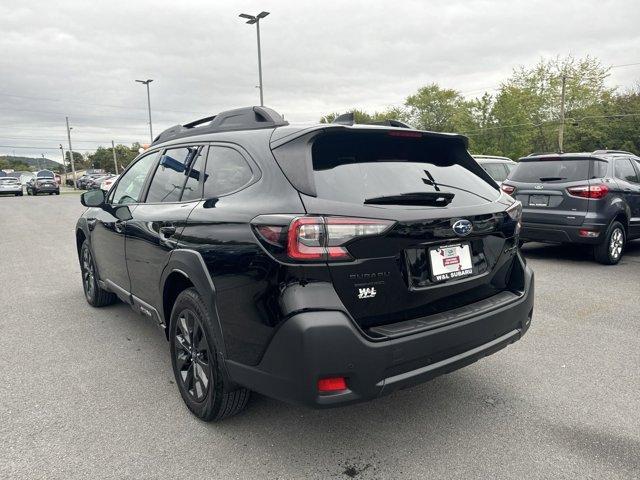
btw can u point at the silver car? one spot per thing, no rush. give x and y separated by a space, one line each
497 167
10 186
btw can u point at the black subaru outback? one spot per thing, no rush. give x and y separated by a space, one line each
584 198
319 265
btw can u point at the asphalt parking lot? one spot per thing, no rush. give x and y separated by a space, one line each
89 393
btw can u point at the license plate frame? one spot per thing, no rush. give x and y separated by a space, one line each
457 262
538 200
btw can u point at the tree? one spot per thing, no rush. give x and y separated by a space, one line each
103 157
439 109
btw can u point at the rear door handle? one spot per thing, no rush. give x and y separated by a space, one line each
167 230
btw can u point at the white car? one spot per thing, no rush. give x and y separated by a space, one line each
106 185
11 186
498 168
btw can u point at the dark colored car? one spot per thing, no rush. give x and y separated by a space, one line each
42 183
583 198
10 186
95 182
320 265
84 180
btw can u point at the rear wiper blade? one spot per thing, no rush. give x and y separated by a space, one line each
437 199
552 179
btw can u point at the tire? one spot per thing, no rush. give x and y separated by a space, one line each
58 193
96 296
199 376
610 251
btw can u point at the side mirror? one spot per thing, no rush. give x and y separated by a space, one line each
93 198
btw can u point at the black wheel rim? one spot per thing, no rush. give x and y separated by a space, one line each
192 356
88 273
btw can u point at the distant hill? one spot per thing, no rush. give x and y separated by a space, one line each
33 162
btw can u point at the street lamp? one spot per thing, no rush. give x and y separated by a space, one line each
147 82
251 19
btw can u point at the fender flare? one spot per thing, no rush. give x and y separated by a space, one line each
191 264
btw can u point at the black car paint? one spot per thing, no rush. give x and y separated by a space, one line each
253 296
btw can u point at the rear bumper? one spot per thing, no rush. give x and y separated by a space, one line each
545 232
319 344
12 191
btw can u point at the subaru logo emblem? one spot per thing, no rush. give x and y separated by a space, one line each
462 228
539 187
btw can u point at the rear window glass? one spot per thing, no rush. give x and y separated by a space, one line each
498 171
564 170
353 168
9 180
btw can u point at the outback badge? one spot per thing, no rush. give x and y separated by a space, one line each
462 228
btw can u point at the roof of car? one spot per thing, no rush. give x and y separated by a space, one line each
597 154
492 158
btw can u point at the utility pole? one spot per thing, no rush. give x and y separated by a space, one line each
64 166
147 82
73 167
115 162
41 166
251 20
561 129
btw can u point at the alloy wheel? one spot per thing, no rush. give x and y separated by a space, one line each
616 243
88 273
192 356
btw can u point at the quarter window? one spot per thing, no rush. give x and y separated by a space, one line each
624 170
227 171
129 187
170 175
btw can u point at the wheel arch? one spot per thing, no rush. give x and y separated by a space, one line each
186 268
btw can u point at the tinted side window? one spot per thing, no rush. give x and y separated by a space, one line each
129 187
624 170
227 171
192 187
171 174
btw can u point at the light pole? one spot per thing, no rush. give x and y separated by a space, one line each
147 82
251 19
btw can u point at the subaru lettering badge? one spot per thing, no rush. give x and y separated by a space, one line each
462 228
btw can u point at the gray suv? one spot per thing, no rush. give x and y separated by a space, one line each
587 198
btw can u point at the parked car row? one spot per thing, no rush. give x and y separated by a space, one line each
94 180
43 181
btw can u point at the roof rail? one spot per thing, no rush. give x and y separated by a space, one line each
349 119
247 118
602 152
535 154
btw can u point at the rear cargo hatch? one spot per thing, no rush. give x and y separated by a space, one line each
543 184
429 261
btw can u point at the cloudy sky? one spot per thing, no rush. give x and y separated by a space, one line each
80 58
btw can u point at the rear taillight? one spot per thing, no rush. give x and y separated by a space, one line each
315 239
508 189
515 214
589 191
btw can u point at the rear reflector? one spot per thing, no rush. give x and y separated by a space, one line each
588 233
589 191
332 384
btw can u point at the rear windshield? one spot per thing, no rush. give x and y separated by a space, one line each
560 170
45 174
354 168
9 180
